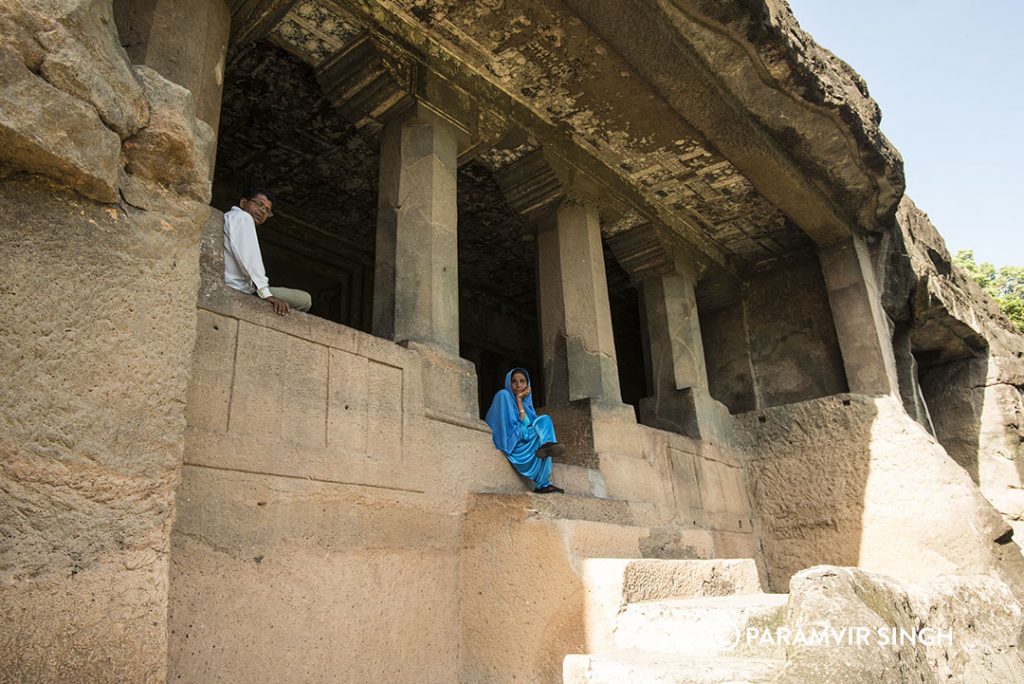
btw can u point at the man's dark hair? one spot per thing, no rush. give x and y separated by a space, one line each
251 192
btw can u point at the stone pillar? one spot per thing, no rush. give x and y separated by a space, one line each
675 351
416 278
185 41
861 324
576 322
673 330
416 271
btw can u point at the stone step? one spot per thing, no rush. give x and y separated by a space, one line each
705 626
585 539
579 481
611 584
646 668
565 506
652 579
587 527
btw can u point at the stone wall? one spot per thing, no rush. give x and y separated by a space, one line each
104 175
322 511
320 501
776 344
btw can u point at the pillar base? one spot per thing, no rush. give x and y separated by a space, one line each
691 412
590 430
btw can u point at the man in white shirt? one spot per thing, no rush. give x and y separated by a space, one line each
243 262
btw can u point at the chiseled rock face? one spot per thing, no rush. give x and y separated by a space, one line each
98 328
46 131
175 150
855 481
99 311
952 628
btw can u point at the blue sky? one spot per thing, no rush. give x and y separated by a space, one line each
949 77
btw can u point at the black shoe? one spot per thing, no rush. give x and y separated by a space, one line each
549 489
551 449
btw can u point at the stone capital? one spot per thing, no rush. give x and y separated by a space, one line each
530 186
368 83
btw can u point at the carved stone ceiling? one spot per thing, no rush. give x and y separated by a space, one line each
278 127
581 98
581 90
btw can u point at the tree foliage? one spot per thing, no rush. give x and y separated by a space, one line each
1005 285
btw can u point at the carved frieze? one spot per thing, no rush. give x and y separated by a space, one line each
314 33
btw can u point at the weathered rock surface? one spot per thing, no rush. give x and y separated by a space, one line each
95 342
73 44
175 150
855 481
971 359
67 122
962 629
46 131
837 625
85 59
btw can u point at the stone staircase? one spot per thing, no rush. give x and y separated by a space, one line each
609 579
679 621
521 565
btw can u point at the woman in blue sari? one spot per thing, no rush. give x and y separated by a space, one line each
526 439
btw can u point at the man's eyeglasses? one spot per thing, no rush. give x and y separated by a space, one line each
263 207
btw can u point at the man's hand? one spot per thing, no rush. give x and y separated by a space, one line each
280 306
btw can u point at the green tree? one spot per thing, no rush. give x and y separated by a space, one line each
1005 285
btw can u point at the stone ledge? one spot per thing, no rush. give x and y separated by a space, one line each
562 506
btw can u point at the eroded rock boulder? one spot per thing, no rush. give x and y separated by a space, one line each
176 149
876 629
46 131
73 44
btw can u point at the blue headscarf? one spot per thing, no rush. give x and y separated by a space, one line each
503 416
